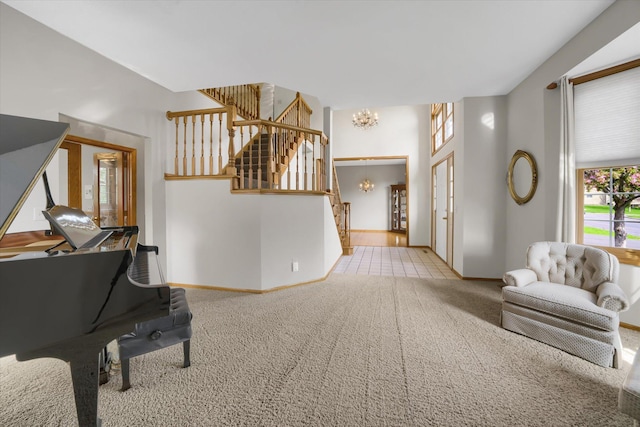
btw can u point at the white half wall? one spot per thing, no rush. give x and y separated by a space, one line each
247 241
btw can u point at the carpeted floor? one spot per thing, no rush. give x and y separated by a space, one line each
349 351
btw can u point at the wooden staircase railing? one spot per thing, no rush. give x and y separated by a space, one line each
341 214
276 156
245 97
205 146
202 146
298 113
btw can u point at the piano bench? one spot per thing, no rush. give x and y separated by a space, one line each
158 333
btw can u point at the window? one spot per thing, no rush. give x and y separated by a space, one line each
441 125
610 207
607 156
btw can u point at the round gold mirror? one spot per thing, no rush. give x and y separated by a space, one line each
522 177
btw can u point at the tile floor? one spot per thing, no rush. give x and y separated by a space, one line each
394 261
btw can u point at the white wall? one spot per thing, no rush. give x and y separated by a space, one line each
43 74
533 126
372 210
485 168
402 131
247 241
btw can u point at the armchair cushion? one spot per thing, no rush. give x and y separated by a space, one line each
612 297
566 302
573 265
521 277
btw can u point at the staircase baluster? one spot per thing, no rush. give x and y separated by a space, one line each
298 163
184 156
289 157
242 176
231 116
304 148
202 144
259 173
211 144
251 166
175 163
193 144
314 184
219 143
271 160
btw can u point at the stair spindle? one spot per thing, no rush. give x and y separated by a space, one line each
184 156
202 144
220 143
175 163
193 145
211 172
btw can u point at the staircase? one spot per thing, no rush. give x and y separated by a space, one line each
252 164
284 156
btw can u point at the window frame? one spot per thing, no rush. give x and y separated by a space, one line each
441 130
628 256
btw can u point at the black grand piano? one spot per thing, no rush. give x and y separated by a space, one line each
67 303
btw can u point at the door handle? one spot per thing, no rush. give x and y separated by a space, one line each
445 218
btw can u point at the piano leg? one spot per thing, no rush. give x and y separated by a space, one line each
85 375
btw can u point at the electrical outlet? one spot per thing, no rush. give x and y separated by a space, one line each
294 266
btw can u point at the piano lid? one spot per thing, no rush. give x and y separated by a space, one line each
26 148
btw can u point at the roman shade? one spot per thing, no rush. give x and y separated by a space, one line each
607 120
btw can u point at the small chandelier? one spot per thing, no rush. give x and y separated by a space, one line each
365 120
366 185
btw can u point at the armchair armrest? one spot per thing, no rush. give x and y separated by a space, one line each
612 297
520 277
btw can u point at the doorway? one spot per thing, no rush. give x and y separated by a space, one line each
442 210
372 212
102 180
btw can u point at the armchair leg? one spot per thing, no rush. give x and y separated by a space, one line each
186 346
124 366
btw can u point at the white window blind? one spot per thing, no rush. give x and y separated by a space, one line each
607 120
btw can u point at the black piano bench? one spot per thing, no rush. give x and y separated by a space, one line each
158 333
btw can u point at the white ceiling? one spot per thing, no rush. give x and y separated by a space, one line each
349 54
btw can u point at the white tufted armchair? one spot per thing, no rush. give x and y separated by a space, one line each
567 297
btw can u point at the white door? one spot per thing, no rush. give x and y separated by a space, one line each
440 211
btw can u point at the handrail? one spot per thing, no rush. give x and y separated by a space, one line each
246 98
297 113
279 125
173 114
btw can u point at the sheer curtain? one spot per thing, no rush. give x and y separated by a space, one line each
566 216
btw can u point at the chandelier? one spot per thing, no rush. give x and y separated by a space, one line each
365 120
366 185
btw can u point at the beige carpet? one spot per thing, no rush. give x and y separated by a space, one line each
350 351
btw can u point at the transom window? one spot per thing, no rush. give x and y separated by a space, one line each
441 125
610 204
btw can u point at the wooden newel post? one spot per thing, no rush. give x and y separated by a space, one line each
231 116
347 249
